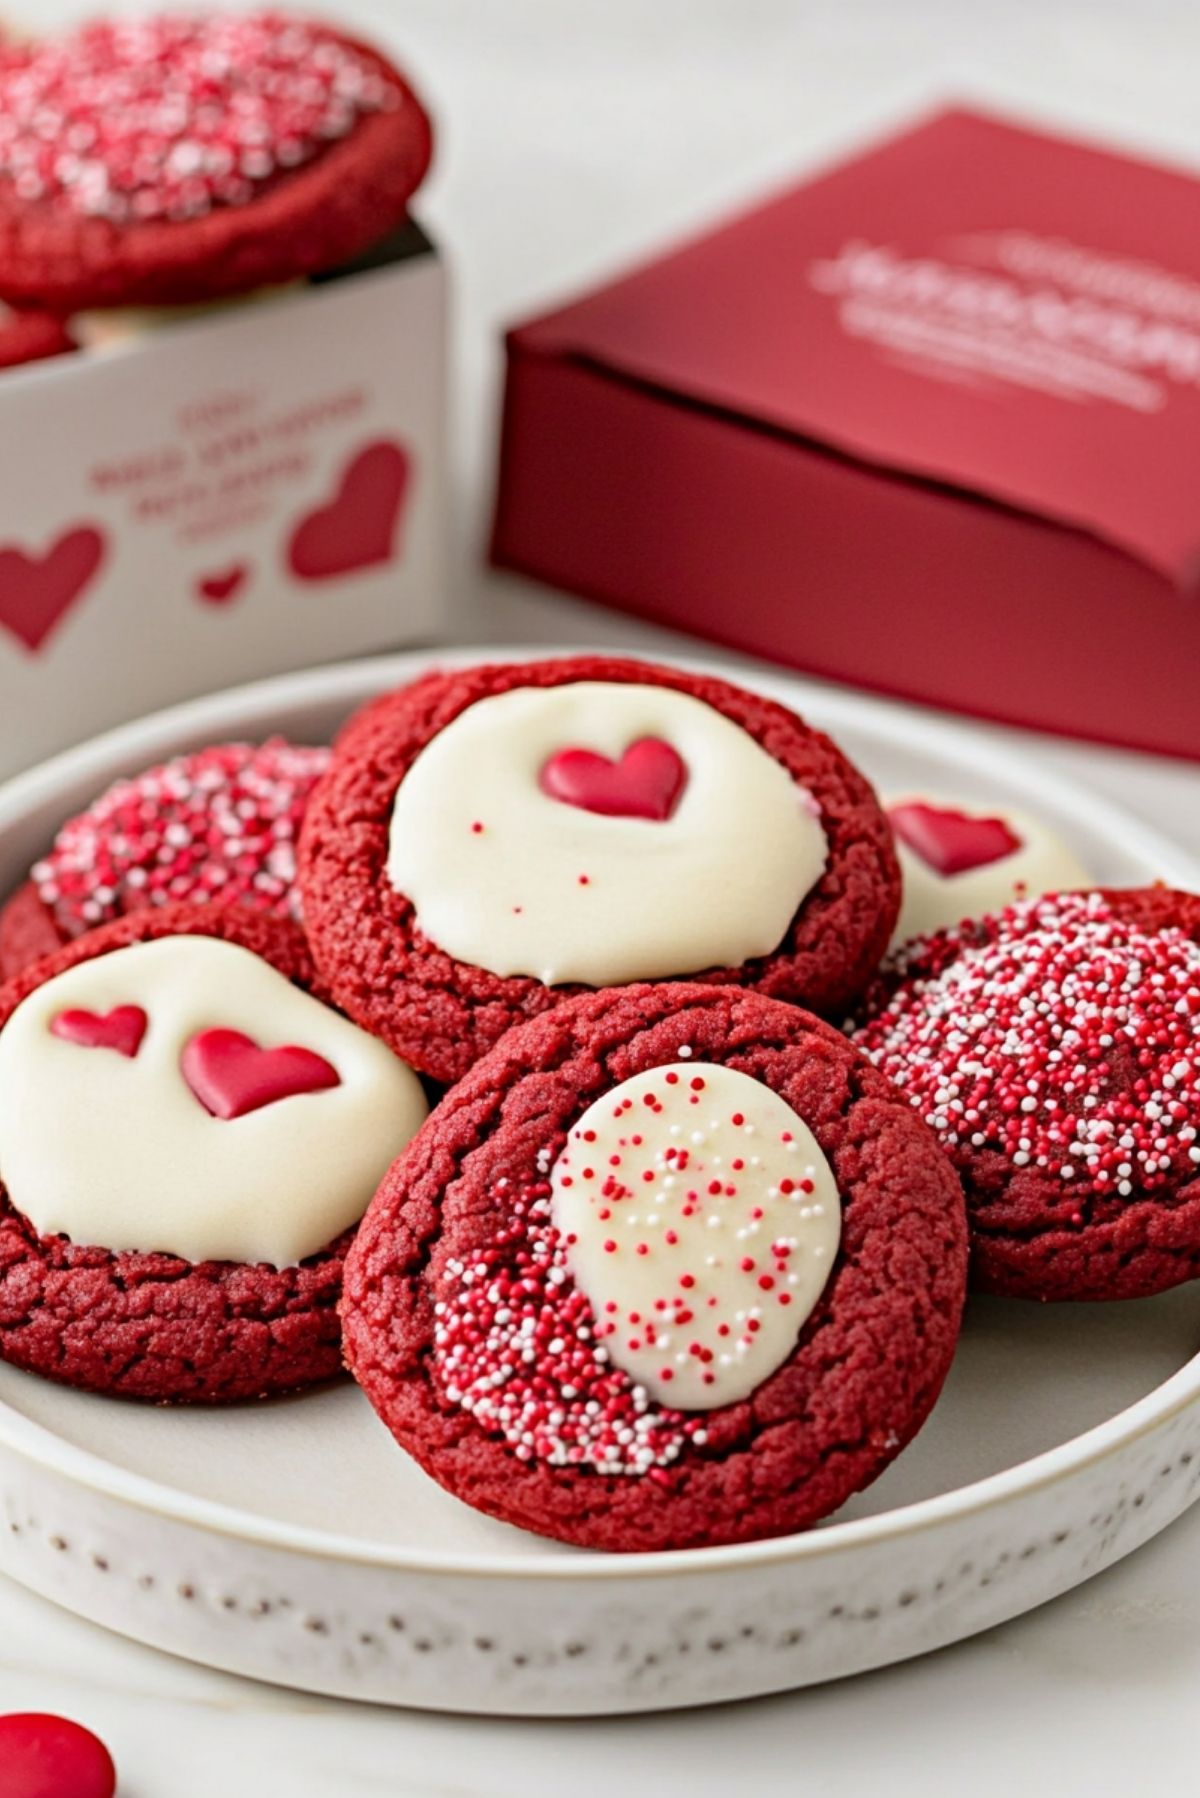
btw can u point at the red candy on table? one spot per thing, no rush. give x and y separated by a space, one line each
42 1756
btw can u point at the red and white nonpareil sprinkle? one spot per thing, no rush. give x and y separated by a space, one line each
168 117
1061 1036
516 1347
663 1270
218 825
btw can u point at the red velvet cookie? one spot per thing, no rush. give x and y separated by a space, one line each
218 825
186 156
490 840
1055 1050
673 1265
167 1081
31 337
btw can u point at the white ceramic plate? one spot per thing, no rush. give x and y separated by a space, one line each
294 1542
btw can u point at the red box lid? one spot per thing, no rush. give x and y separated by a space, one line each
972 302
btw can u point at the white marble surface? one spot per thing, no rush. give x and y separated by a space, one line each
575 136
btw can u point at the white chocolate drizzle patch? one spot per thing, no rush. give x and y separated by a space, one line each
114 1149
507 878
701 1220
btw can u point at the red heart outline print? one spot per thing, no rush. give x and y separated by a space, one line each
223 586
358 527
121 1029
647 782
36 592
231 1075
949 841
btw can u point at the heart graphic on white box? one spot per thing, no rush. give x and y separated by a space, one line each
37 591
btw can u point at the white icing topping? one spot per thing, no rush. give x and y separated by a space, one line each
933 901
699 1294
509 879
116 1150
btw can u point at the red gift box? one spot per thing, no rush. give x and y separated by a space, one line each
929 423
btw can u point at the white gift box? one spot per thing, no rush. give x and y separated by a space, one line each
248 490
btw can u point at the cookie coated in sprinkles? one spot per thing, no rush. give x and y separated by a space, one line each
1059 1033
495 1334
219 824
167 118
517 1347
666 1267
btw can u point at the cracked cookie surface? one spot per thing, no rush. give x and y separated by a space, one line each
440 1013
155 1326
867 1364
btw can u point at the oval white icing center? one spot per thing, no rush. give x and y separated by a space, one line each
507 878
701 1221
116 1151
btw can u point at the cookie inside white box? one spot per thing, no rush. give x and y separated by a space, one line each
247 491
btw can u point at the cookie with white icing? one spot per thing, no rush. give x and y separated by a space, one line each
672 1265
961 859
490 840
189 1135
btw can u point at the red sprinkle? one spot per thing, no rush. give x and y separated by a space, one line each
517 1346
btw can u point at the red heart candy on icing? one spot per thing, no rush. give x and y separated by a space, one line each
647 782
121 1029
950 842
42 1756
231 1075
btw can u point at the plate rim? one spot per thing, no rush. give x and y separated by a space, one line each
354 681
